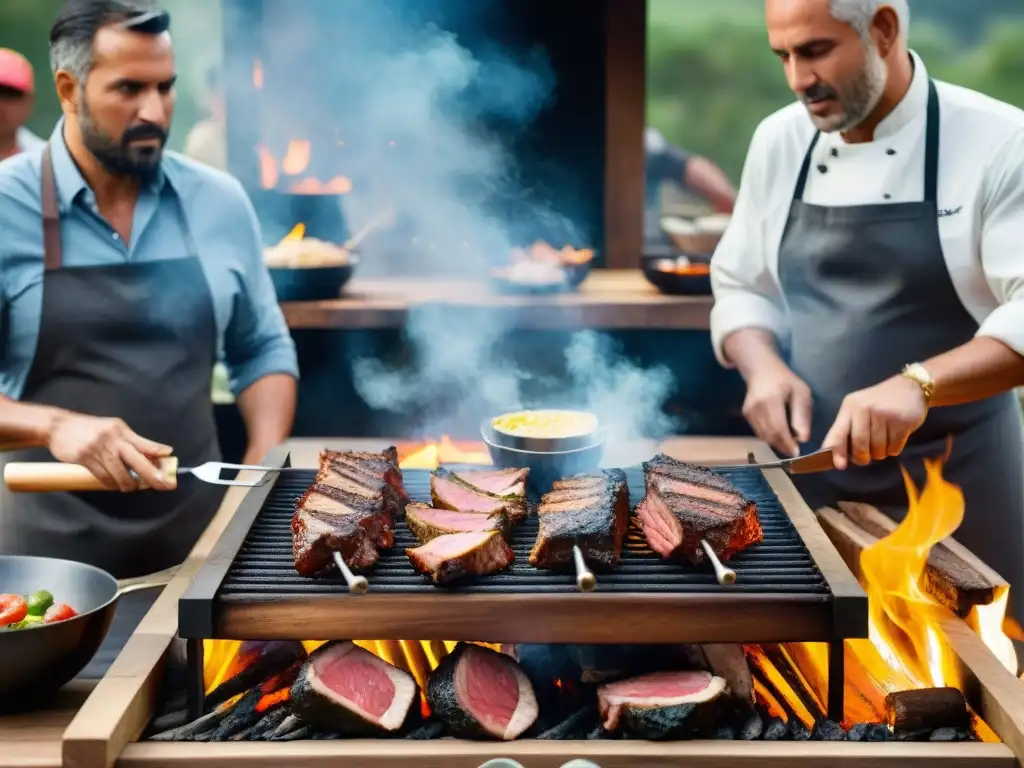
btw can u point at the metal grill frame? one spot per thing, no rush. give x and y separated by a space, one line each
839 612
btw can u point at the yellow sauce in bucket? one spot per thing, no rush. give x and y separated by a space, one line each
550 424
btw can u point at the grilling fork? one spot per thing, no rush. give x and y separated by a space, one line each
44 477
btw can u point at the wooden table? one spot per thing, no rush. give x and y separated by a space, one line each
33 740
609 299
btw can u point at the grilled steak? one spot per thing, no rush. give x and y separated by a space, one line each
429 523
383 466
500 482
349 509
348 689
323 523
685 504
479 693
591 511
663 705
454 555
449 491
315 540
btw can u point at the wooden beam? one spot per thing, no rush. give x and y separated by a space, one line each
625 115
954 575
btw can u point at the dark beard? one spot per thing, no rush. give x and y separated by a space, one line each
117 156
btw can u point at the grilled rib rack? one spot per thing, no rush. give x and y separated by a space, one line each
248 589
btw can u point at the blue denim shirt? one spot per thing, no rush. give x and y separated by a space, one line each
252 336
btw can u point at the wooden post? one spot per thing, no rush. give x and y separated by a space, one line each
625 112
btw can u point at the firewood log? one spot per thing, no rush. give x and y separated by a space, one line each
926 709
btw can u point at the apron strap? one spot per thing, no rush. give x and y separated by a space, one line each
801 181
931 153
53 254
931 147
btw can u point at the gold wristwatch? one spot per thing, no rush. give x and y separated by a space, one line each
918 374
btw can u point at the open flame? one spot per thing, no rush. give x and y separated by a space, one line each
295 163
445 451
904 620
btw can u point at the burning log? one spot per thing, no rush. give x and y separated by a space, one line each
241 717
207 722
926 709
953 577
261 661
268 724
576 726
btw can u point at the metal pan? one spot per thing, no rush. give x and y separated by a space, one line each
36 661
545 467
542 444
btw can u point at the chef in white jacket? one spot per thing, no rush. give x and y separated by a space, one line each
870 288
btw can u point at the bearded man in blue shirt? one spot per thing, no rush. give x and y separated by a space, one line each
126 272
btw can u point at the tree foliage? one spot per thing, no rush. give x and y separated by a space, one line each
711 77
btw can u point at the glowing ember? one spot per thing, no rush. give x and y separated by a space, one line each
257 75
445 451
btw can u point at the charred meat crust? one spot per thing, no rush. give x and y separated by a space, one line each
589 511
442 694
313 706
686 504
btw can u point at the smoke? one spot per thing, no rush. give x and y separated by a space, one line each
422 102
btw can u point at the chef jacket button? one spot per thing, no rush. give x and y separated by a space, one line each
822 169
115 236
890 151
887 196
835 152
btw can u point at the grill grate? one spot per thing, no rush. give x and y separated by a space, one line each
263 569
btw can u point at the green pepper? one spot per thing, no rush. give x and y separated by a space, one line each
28 621
38 602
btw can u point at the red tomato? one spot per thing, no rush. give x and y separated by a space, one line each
58 612
13 608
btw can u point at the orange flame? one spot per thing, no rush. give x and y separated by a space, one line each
433 455
257 75
268 168
904 620
339 185
296 159
298 232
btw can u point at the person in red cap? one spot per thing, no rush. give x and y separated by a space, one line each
17 99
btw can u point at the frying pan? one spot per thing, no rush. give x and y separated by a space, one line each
35 662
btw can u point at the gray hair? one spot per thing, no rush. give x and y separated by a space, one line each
859 14
72 34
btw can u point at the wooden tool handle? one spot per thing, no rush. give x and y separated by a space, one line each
46 477
585 580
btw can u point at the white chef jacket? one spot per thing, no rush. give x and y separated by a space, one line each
981 204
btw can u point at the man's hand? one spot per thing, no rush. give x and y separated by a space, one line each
772 391
876 422
108 449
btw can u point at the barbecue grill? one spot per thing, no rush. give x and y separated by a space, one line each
248 589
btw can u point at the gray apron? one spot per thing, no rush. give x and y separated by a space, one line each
868 292
135 341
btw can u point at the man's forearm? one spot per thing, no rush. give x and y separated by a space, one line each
707 179
750 349
268 410
981 368
25 425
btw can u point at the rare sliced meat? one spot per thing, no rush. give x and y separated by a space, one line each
448 491
479 693
663 705
428 523
348 689
452 556
591 512
685 504
500 482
